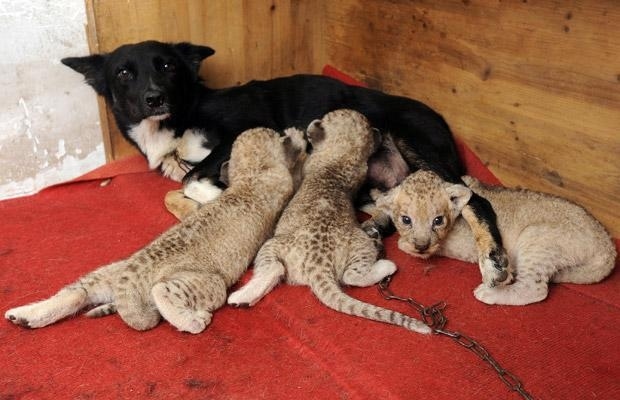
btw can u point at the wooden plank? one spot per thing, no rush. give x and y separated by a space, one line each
253 39
533 87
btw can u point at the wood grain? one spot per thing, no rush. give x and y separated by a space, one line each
253 39
533 87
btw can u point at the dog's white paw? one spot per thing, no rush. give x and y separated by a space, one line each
173 168
202 191
492 275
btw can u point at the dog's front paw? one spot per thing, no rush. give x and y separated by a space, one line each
202 191
174 168
495 268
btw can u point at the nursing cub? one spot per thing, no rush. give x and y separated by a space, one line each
184 274
318 241
548 239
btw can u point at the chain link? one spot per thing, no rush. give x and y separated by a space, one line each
434 317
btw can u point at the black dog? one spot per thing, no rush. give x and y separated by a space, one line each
161 105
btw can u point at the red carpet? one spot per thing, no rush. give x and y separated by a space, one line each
288 346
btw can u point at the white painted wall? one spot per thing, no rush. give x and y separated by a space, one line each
49 122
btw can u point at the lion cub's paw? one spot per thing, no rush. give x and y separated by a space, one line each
179 205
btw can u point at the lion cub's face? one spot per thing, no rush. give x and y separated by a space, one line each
423 208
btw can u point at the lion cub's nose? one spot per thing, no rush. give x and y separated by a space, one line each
422 246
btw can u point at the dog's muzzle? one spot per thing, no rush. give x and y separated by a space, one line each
156 103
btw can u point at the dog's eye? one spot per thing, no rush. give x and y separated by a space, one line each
406 220
438 221
169 67
124 75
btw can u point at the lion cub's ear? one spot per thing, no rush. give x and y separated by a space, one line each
315 132
459 196
385 201
294 145
224 174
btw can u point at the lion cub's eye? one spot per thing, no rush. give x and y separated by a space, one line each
438 221
406 220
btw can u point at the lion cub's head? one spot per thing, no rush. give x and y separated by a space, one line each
423 208
342 134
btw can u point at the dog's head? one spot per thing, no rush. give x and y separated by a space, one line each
144 80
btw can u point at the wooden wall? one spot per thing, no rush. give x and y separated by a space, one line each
253 39
532 86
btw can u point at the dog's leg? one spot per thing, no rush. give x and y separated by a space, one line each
492 258
201 183
202 191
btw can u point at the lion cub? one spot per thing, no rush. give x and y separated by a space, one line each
547 238
318 241
184 274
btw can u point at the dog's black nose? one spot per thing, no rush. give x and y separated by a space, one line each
154 98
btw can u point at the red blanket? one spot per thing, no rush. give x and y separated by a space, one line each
288 346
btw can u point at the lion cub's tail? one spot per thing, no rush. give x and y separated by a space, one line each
329 292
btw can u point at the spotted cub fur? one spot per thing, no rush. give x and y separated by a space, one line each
318 241
184 274
548 239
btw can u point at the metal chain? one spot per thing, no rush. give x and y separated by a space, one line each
434 317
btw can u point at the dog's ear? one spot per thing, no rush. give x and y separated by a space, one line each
315 132
194 54
92 69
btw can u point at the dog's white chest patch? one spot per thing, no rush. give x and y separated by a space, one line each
154 142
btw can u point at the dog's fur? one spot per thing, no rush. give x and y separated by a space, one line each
180 125
548 238
318 241
183 275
